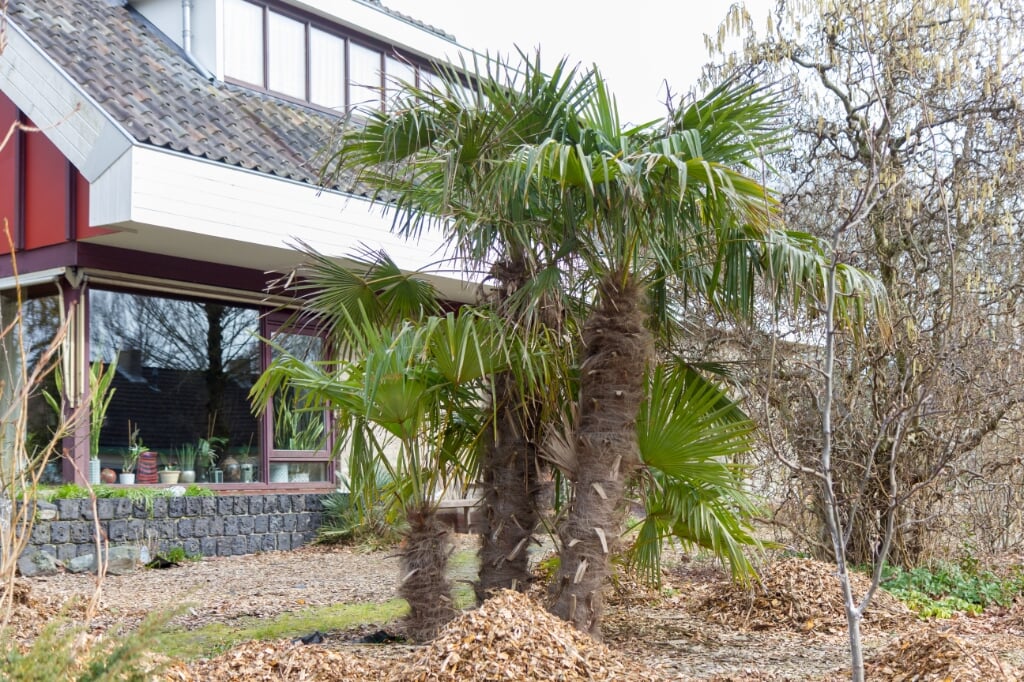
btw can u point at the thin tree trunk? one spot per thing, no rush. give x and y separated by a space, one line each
617 350
425 585
509 476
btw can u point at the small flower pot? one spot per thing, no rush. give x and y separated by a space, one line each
127 479
187 476
169 476
94 470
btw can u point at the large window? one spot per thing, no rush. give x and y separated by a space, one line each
184 370
307 60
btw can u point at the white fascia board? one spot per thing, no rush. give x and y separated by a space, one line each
172 191
72 120
377 22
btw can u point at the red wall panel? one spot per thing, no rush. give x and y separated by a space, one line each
47 192
9 179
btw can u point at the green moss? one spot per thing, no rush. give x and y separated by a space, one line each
217 637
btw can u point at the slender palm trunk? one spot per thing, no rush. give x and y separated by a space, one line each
425 585
509 467
618 348
509 476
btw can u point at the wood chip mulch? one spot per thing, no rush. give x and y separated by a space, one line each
510 637
798 594
928 655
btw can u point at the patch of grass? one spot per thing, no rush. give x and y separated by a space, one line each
463 569
218 637
941 590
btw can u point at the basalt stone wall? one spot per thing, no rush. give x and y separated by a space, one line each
211 526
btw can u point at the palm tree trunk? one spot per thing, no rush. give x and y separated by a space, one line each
509 476
618 348
424 562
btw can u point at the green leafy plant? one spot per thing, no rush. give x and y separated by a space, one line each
194 490
169 463
135 448
942 590
100 395
346 523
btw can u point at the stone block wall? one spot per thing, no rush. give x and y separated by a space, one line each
211 526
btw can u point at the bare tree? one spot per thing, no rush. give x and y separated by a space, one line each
910 110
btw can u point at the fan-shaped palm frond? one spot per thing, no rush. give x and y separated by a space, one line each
690 433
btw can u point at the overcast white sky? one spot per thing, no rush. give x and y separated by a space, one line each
638 44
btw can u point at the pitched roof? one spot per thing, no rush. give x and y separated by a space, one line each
146 84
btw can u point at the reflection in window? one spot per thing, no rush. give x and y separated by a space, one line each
243 41
184 370
286 55
298 472
40 321
295 427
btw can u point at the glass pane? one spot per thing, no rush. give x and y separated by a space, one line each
326 69
40 322
397 72
243 41
286 56
364 84
184 370
295 426
298 472
429 80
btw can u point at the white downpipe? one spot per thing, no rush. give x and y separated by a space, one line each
186 26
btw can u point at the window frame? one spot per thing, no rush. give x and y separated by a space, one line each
349 37
273 323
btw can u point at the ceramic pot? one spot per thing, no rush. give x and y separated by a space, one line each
128 479
94 471
232 470
108 476
169 476
187 476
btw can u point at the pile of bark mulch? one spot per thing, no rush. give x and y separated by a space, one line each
279 660
928 655
798 594
510 637
31 611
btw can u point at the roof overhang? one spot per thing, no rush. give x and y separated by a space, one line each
165 202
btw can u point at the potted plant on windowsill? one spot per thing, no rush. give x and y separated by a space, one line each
169 473
100 395
188 459
206 454
131 457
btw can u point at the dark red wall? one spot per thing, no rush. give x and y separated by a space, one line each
43 198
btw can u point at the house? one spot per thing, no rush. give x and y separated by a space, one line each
174 170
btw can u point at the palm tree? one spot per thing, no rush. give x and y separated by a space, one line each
550 180
433 161
414 389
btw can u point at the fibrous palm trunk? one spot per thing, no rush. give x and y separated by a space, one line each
509 468
425 585
509 476
617 350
